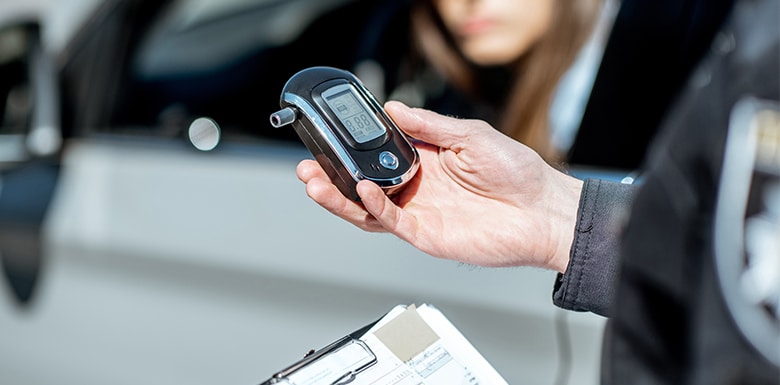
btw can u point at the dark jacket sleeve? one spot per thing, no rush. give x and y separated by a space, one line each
591 276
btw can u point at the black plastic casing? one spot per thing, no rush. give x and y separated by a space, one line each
344 160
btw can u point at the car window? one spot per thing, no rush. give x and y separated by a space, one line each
229 60
197 36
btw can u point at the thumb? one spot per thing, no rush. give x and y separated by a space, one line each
427 126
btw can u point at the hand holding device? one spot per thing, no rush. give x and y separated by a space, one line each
480 197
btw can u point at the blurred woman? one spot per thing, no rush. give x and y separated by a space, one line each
501 59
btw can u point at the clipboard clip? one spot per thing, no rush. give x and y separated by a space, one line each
336 364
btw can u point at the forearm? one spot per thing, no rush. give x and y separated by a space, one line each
588 283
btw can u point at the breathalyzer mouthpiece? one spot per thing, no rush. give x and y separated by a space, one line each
283 117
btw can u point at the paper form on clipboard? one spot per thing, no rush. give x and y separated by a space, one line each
408 346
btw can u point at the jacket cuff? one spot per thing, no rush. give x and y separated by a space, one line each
591 275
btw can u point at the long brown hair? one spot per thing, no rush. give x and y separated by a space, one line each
524 112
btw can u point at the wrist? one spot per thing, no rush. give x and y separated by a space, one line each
564 208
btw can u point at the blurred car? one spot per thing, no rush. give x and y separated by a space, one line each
131 257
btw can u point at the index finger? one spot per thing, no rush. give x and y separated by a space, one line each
428 126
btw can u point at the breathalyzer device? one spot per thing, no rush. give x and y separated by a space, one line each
344 127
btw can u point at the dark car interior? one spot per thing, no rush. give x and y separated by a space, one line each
229 65
152 67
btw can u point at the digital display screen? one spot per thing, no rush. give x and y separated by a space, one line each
356 117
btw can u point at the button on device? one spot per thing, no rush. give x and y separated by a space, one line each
388 160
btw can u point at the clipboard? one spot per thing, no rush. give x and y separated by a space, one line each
409 344
337 363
